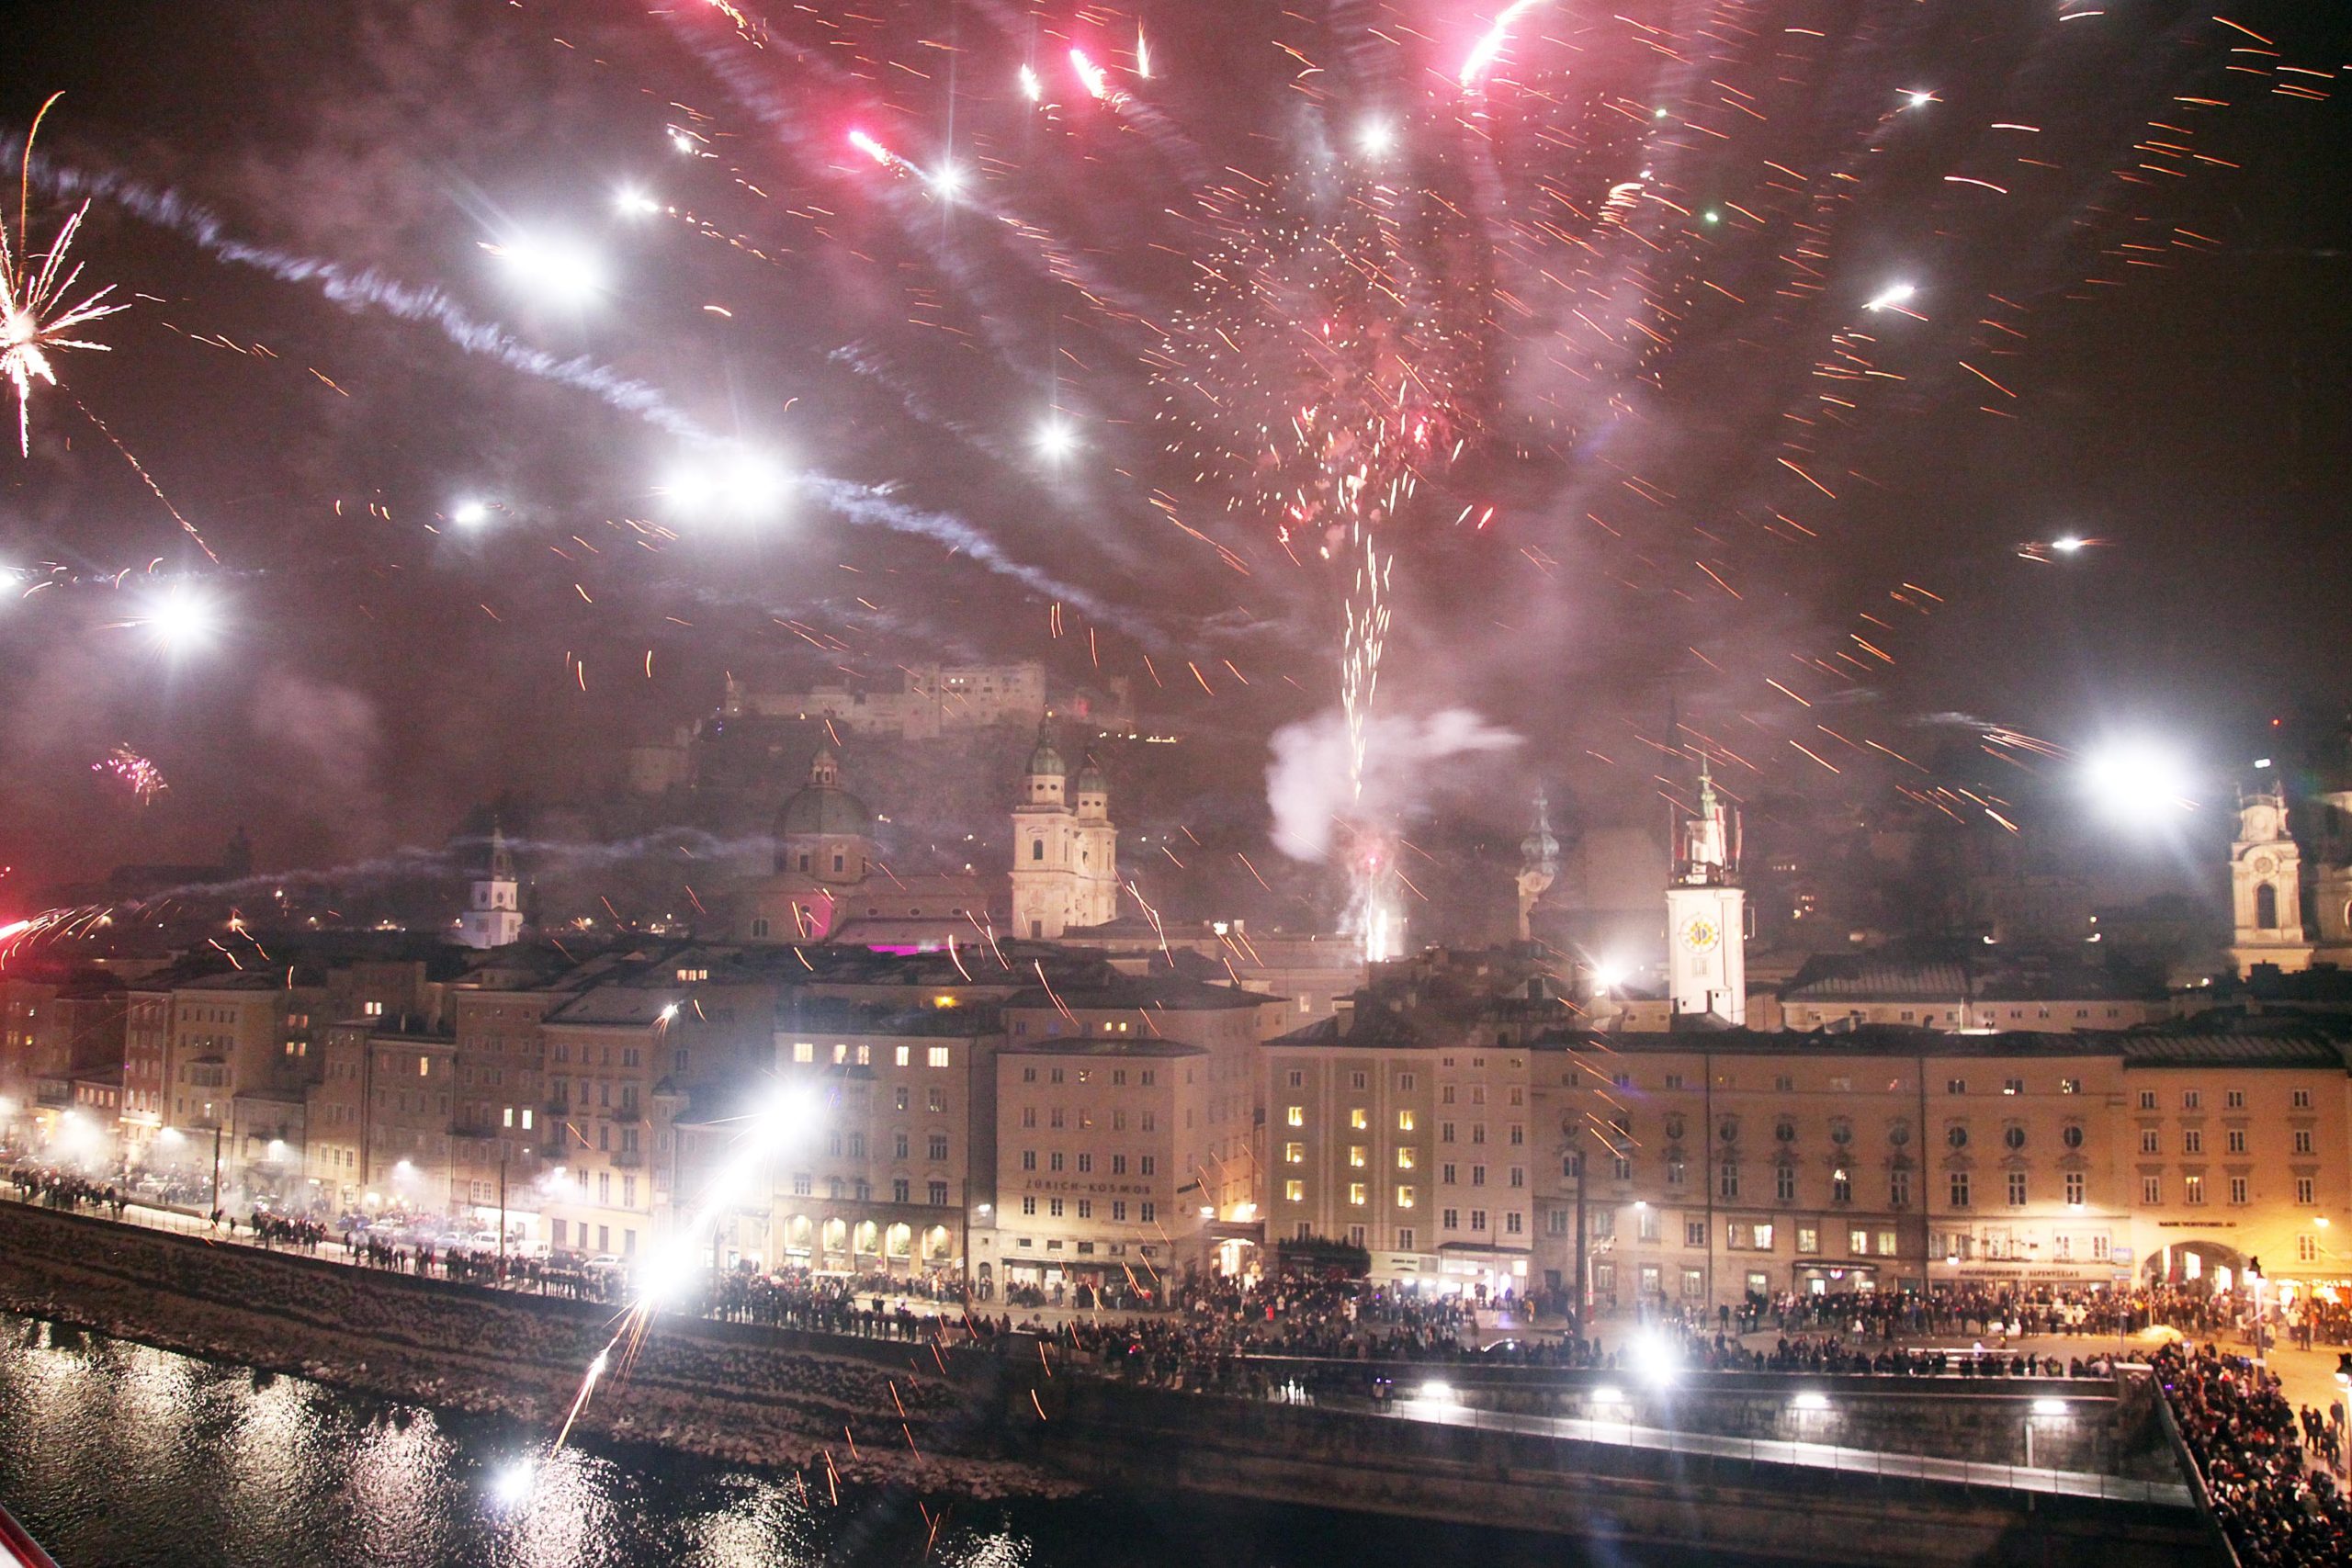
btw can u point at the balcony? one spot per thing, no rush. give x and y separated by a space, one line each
627 1159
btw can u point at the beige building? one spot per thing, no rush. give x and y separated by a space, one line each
1840 991
893 1165
1103 1162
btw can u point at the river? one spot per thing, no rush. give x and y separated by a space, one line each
117 1456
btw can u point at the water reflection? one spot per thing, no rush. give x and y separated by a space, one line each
115 1454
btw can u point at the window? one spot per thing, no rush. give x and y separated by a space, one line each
2233 1100
2074 1187
2236 1140
2303 1191
1674 1080
898 1145
1294 1154
1297 1078
2070 1086
1294 1192
2192 1099
1357 1194
2147 1100
1404 1159
1959 1190
1356 1156
1956 1086
1784 1184
2192 1142
1355 1080
1727 1184
1477 1219
2016 1189
1674 1173
2303 1140
2013 1135
1294 1116
1086 1164
1452 1219
1405 1238
1514 1223
1359 1119
1841 1186
936 1056
1956 1136
2301 1099
1404 1200
1694 1233
1621 1168
2237 1190
1647 1223
1054 1208
2307 1249
2013 1086
1898 1189
2150 1141
1118 1209
2151 1190
939 1146
1404 1120
2192 1189
1477 1176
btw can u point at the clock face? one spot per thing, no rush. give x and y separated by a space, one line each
2264 865
1699 935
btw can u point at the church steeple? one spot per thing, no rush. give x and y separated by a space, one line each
1707 916
1539 864
495 914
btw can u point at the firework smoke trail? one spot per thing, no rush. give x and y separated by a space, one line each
367 288
852 500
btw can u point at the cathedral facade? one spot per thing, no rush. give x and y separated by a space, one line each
2290 880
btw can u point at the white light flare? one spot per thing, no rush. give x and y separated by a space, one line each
180 620
1055 440
1032 89
736 485
470 513
561 272
1376 138
1894 297
2139 783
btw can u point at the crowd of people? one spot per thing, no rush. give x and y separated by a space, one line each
2249 1444
66 1189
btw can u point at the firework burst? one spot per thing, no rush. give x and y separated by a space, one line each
39 317
142 777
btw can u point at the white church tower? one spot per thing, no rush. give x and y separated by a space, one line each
1707 916
496 918
2266 887
1065 850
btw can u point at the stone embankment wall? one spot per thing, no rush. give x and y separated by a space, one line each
730 1391
1147 1440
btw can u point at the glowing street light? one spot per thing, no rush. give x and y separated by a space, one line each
2138 782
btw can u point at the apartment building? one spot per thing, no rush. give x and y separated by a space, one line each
1103 1169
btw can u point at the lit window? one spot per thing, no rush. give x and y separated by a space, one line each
1356 1194
804 1050
1404 1120
1294 1154
1404 1159
1295 1191
1296 1116
1404 1196
1356 1156
1359 1119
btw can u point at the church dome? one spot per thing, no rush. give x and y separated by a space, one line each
822 806
1045 762
1091 779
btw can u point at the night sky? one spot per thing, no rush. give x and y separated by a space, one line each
1629 266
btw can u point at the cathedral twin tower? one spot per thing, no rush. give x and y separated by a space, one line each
1065 847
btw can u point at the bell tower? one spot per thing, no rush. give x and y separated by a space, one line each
1706 915
2266 887
494 917
1046 846
1539 864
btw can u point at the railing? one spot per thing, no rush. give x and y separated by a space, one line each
1812 1456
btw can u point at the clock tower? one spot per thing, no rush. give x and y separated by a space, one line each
2266 887
1706 916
